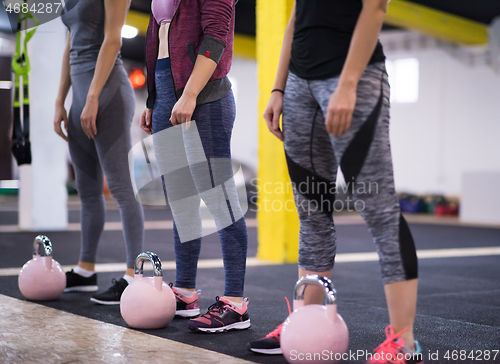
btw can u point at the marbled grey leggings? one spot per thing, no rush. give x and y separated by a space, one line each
108 151
363 153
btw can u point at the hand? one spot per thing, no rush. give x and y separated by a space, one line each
146 117
340 109
183 110
89 116
61 116
272 114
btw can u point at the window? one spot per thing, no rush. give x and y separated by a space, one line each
404 79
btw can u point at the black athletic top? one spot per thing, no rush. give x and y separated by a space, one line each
323 32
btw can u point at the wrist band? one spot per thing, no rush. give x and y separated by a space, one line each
277 89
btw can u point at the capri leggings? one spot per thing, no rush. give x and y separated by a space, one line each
214 123
363 153
107 152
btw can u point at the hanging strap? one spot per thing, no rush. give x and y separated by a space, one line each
21 146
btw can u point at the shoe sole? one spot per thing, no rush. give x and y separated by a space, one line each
236 326
108 303
188 313
274 351
81 289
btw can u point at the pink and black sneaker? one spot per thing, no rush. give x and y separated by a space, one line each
222 316
186 306
270 344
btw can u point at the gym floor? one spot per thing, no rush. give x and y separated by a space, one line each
458 305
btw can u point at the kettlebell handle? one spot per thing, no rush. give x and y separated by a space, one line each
153 258
330 292
45 243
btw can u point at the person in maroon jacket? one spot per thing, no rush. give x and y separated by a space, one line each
188 55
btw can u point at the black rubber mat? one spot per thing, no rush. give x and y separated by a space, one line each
456 311
458 307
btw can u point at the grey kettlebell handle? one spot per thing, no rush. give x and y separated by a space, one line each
153 258
45 243
330 292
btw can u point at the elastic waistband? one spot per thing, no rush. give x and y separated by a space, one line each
162 64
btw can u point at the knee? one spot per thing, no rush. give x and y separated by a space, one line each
90 195
121 191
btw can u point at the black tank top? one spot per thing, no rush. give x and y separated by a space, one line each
323 32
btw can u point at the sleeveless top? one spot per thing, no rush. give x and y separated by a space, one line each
322 35
86 23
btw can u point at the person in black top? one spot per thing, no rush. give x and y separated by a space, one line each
333 91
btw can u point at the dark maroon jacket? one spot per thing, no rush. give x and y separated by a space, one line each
203 27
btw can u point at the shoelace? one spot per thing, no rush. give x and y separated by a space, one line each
218 307
390 347
277 330
116 287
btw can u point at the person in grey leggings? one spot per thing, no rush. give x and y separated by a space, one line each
363 153
333 91
98 134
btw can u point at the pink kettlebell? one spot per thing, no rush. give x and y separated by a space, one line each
42 278
314 333
148 302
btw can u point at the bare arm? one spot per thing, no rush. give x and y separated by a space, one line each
363 42
115 14
274 108
286 53
203 69
64 86
65 82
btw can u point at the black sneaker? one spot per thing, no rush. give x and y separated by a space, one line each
112 295
270 344
78 283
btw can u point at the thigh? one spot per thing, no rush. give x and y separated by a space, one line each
309 154
372 96
164 101
306 140
88 172
83 152
208 143
215 121
114 119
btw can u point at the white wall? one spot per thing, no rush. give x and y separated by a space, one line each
42 195
453 128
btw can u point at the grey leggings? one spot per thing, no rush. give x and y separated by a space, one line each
364 155
108 152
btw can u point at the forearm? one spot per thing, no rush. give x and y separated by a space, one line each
203 69
364 41
286 54
65 82
105 63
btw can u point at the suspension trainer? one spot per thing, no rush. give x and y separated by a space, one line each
21 146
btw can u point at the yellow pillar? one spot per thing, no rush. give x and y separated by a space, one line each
278 221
